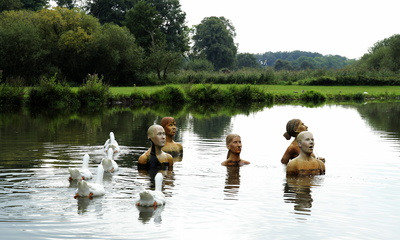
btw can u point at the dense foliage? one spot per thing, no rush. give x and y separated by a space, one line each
383 56
67 42
33 5
214 40
300 60
146 42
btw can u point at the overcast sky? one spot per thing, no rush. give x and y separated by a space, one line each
338 27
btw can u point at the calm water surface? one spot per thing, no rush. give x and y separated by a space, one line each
358 198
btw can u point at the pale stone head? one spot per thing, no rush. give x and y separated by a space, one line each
156 134
305 140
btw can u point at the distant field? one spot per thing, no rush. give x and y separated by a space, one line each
283 89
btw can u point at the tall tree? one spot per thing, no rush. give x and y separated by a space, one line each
214 39
115 55
173 24
384 54
159 21
163 61
109 11
144 22
33 5
247 60
282 65
70 4
20 44
159 27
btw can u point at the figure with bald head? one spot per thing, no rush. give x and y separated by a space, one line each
155 157
234 146
171 147
305 164
293 128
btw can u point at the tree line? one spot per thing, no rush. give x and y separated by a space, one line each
142 42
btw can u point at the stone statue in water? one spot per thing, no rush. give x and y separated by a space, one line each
293 128
171 147
305 164
155 157
234 145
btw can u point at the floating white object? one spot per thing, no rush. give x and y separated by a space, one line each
111 143
148 198
90 190
82 173
108 162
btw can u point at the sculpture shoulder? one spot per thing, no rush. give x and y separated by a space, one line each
292 167
172 147
144 157
291 152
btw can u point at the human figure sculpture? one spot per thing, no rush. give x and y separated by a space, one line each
234 145
305 164
171 147
293 128
155 157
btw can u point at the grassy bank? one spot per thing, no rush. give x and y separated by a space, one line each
279 89
94 96
285 93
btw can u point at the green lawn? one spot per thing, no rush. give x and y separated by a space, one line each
283 89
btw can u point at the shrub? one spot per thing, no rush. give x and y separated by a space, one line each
50 95
319 81
359 97
313 96
199 65
169 94
93 94
11 97
202 94
247 94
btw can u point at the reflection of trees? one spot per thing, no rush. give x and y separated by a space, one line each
297 190
232 181
212 127
382 116
146 213
34 133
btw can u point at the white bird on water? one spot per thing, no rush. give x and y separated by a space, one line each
81 173
148 198
111 143
108 162
90 190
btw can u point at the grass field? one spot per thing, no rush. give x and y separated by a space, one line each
282 89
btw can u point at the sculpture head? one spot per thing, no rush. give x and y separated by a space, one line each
305 140
234 144
156 134
169 125
294 127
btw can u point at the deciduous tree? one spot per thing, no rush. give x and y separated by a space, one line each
214 39
247 60
33 5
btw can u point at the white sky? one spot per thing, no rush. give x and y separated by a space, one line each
338 27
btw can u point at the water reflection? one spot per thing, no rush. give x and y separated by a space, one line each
83 203
382 116
35 195
298 189
232 182
147 213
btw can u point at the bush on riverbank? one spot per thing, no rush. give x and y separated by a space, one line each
93 94
313 96
11 97
51 95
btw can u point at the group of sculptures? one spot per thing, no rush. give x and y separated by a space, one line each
299 156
